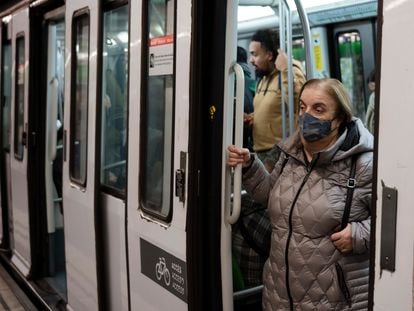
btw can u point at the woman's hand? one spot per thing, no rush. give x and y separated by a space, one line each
238 156
343 239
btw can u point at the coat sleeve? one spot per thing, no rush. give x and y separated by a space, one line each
361 235
361 229
258 181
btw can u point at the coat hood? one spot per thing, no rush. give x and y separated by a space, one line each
246 69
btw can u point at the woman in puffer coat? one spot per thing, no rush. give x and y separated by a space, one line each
313 264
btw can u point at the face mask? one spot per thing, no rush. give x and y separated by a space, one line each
314 129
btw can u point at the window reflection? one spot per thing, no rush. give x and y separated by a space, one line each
350 62
114 98
156 157
298 52
19 101
79 99
6 91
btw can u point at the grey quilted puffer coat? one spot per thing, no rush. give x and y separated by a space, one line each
306 203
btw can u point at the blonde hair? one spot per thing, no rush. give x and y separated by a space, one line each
336 90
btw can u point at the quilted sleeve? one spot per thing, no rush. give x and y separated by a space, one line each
361 229
258 181
361 235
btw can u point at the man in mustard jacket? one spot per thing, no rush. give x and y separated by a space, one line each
271 66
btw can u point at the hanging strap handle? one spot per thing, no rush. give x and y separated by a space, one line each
350 184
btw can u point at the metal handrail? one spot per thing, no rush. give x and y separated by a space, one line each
307 37
245 293
234 212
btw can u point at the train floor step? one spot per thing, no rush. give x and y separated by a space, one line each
11 296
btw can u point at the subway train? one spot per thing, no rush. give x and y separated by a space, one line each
115 118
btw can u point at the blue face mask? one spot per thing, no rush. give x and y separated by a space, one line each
314 129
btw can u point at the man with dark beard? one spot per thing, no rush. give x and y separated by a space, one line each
271 65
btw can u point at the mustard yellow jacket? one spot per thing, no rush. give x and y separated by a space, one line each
267 122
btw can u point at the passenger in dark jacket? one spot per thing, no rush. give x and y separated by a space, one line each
249 89
313 265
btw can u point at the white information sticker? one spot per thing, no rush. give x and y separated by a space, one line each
161 55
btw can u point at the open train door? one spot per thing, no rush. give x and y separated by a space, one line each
21 252
6 65
242 297
79 155
394 257
157 163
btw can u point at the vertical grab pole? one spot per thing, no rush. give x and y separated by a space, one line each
307 36
289 41
282 38
231 210
285 31
234 213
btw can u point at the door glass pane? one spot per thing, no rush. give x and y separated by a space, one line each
298 52
58 71
19 100
114 98
156 156
6 91
54 155
79 99
350 62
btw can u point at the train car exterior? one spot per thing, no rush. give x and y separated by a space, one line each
115 119
394 261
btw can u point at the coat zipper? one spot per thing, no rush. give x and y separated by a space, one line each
310 168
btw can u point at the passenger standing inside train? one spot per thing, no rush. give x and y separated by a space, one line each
271 66
249 88
369 118
313 265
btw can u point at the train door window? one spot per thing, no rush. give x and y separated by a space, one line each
157 126
19 99
351 69
79 99
298 51
114 98
55 82
6 92
55 101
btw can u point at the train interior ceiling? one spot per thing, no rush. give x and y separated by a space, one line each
264 14
343 34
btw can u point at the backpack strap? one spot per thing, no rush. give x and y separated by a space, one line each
350 184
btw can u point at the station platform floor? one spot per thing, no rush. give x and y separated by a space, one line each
11 296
